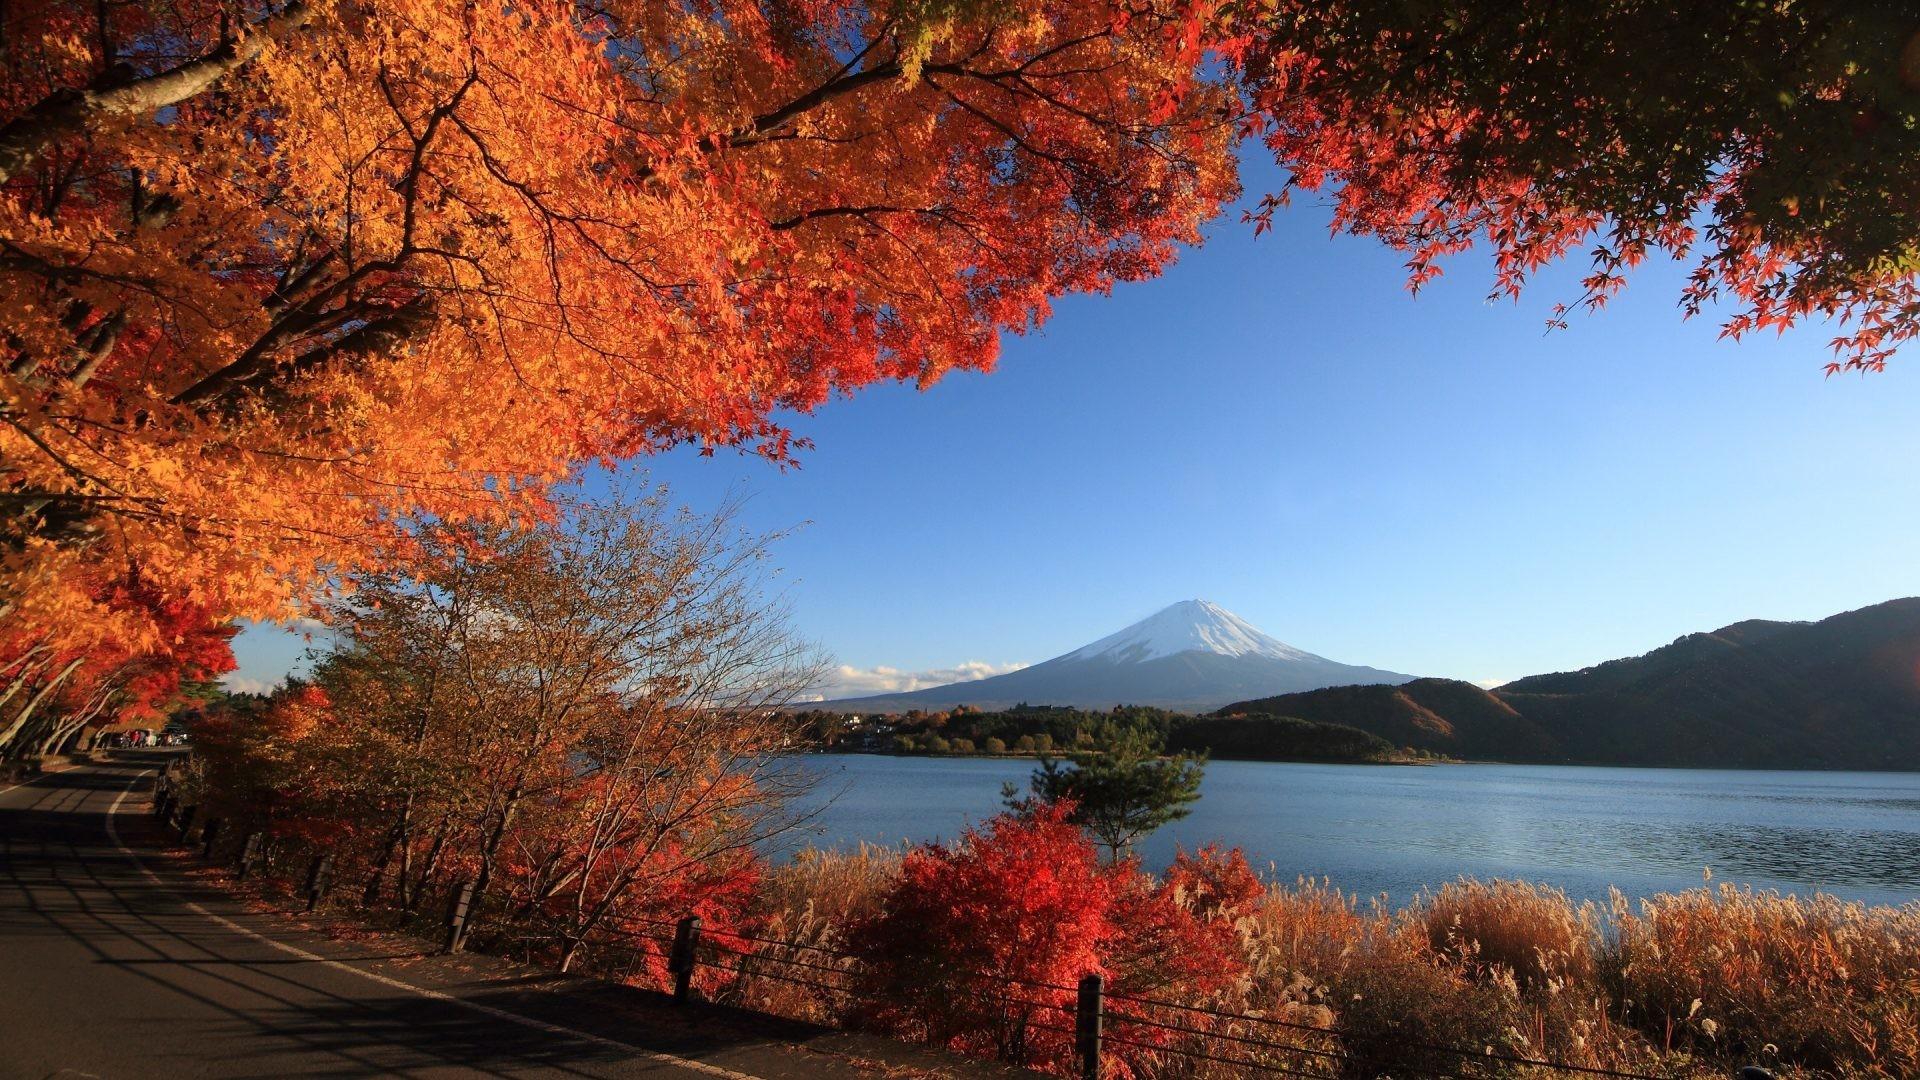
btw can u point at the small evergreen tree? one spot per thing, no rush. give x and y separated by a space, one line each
1119 795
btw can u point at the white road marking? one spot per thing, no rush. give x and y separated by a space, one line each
113 833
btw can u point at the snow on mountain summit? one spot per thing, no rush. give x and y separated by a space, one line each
1193 656
1188 626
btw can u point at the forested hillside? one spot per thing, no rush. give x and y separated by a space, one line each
1841 693
1053 729
1442 716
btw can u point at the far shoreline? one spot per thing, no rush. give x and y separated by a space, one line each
1037 755
1436 761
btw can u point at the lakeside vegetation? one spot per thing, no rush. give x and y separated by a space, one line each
976 945
1693 984
1058 729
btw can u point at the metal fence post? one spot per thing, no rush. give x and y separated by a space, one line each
318 876
1087 1017
250 853
208 837
458 912
681 962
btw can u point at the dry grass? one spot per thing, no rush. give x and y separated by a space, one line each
1693 984
835 886
1687 985
1311 927
808 903
1531 932
1821 983
1323 959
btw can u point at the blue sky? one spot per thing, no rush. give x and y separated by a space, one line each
1430 484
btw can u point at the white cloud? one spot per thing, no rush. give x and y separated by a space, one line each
846 681
237 683
1491 684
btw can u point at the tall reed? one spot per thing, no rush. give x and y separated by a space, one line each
1688 984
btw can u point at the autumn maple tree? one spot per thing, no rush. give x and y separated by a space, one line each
1774 145
53 690
279 280
274 278
584 717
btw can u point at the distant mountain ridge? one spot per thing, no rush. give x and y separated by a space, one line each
1445 716
1840 693
1194 655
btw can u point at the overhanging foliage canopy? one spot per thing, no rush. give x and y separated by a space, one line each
275 279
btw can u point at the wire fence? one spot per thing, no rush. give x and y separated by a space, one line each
1090 1023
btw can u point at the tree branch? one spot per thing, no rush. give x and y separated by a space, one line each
68 112
386 331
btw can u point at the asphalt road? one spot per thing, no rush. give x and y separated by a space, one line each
115 961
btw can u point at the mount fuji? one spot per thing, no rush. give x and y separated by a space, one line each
1194 655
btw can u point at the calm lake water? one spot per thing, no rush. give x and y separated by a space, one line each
1394 830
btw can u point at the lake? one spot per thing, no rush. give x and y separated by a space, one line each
1395 830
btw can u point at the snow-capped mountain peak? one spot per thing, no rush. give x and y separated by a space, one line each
1194 656
1188 626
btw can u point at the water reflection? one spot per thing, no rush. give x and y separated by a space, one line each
1396 830
1832 857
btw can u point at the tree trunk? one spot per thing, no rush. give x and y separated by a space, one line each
434 852
490 850
26 711
59 736
396 837
405 870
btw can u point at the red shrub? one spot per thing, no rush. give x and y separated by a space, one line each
1189 919
1216 885
976 943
